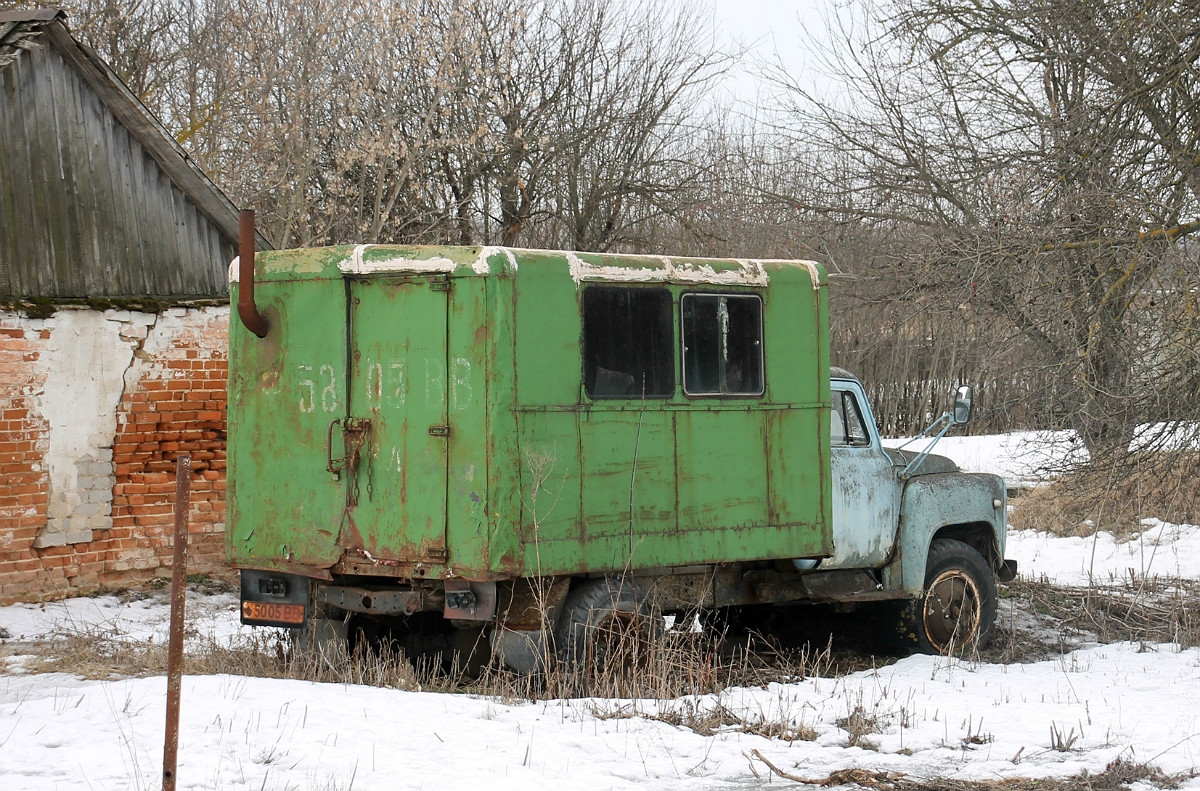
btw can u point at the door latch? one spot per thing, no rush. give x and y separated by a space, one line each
354 436
439 431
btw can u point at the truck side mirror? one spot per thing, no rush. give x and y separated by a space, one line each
963 403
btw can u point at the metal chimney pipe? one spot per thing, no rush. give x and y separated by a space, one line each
247 310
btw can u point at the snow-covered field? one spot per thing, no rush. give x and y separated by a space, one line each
921 716
1022 458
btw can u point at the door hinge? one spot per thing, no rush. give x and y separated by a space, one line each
439 431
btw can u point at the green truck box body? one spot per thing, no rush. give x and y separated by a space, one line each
445 389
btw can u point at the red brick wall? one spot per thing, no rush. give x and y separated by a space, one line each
22 444
172 400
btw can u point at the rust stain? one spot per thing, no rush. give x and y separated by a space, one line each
348 536
404 465
524 603
770 429
304 570
509 564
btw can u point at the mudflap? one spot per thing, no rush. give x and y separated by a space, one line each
1006 571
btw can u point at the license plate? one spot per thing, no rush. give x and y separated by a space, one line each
272 612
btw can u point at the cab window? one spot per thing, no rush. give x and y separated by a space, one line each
848 426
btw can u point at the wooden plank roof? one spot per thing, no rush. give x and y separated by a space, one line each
172 194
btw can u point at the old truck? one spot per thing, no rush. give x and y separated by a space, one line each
519 447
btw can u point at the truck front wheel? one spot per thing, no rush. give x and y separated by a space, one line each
956 612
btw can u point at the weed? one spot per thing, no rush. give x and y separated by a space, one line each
1119 775
1138 610
975 735
718 718
1062 741
858 724
1100 497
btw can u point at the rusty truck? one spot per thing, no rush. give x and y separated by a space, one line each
518 446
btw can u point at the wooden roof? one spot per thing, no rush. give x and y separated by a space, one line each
96 197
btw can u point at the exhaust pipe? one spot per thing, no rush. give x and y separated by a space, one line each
247 310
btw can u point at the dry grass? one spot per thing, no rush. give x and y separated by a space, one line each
709 719
859 723
1053 619
677 665
1119 775
1143 610
682 663
1115 497
1038 620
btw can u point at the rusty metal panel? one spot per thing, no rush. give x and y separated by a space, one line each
472 372
286 510
400 379
377 602
483 456
629 488
547 496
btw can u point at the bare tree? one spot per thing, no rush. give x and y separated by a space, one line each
1035 165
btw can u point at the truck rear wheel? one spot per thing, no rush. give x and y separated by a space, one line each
324 640
607 623
956 612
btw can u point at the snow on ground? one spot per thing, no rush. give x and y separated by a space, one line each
1022 458
934 719
1161 550
129 617
926 716
1028 458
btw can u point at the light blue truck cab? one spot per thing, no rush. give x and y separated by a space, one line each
932 534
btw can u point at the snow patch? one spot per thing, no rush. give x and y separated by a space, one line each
355 265
748 272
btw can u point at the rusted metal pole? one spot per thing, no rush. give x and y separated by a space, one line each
183 481
247 310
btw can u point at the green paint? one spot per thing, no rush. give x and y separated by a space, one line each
533 477
309 263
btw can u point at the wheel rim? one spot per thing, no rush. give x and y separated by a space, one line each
951 612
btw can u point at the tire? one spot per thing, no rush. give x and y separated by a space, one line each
956 611
324 640
522 651
605 623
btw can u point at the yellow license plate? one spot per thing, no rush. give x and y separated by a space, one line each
272 612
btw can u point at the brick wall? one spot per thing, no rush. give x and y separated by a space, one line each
94 408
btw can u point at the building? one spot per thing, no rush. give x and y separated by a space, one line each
113 314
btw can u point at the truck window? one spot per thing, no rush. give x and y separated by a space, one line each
722 344
848 427
627 349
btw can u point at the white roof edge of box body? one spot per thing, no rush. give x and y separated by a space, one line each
747 271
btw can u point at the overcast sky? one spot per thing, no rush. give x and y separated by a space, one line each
772 26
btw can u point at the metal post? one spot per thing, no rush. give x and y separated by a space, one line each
183 480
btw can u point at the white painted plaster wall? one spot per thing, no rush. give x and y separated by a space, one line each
88 356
